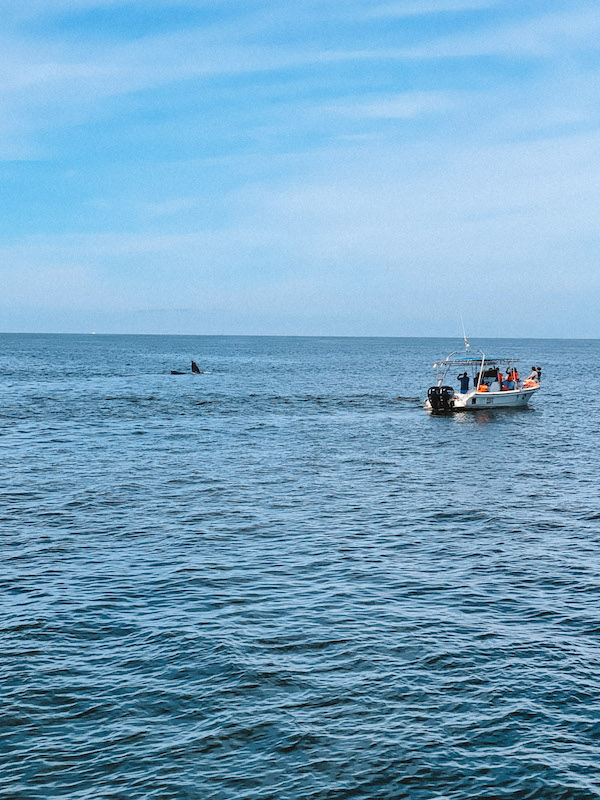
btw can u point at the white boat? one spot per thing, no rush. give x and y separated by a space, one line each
485 383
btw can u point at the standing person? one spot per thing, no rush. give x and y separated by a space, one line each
464 382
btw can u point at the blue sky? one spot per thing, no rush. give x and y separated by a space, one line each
310 167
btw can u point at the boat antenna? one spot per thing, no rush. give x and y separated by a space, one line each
467 345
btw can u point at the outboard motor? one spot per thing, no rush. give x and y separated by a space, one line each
441 398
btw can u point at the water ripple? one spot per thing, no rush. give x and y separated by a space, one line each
283 581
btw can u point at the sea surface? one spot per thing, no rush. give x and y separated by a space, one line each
283 580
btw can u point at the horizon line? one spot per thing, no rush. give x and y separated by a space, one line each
296 335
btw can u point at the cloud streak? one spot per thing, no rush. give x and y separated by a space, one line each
342 163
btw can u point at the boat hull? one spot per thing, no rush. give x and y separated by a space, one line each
476 401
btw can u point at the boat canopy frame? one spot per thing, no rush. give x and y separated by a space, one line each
478 361
469 362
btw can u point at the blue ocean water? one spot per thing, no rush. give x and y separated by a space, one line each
283 580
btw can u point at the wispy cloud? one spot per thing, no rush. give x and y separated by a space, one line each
58 76
410 8
260 161
380 220
406 105
170 207
540 35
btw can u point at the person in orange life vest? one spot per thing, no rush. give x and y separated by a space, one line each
503 381
513 377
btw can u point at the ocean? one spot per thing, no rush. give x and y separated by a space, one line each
283 580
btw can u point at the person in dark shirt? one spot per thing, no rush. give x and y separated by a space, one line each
464 382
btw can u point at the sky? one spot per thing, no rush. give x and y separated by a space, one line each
310 167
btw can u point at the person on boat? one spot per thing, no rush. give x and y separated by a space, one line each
513 378
535 375
464 382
